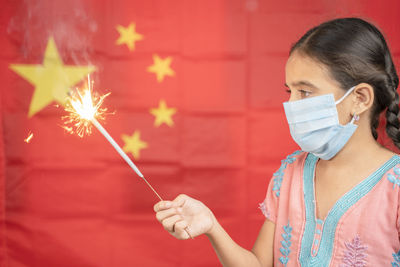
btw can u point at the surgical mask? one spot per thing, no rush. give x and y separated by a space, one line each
314 125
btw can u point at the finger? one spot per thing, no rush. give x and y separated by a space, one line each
163 214
162 205
181 228
170 222
180 200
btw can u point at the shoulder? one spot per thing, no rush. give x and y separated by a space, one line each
292 161
392 174
294 156
390 186
389 180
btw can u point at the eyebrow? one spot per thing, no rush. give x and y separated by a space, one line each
303 83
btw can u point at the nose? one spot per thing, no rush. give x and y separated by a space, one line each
292 97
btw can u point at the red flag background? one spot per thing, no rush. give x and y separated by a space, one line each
197 89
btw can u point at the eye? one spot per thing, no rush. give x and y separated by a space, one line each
288 91
305 93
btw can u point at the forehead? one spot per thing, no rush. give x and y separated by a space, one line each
300 67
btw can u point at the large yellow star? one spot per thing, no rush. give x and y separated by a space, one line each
163 114
128 36
52 79
161 67
133 144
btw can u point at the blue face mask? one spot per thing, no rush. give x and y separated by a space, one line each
314 125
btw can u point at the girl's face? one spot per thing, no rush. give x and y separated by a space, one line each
306 78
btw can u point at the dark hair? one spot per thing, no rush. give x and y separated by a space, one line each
355 51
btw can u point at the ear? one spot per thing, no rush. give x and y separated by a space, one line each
364 98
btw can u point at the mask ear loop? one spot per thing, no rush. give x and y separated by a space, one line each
346 94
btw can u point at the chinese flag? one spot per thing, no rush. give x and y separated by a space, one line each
196 90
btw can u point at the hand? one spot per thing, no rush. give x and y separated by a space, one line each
183 216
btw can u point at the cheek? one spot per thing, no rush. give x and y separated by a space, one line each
344 113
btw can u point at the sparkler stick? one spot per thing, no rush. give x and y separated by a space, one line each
122 153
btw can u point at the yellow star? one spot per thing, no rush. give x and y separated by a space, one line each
161 67
163 114
133 144
128 36
52 79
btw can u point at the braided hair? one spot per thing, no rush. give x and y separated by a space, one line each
355 51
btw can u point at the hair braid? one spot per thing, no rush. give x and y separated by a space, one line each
392 111
392 119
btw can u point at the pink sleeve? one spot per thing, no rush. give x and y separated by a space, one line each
269 207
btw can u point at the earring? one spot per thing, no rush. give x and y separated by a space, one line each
356 117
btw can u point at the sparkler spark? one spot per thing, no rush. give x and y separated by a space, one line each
82 110
29 138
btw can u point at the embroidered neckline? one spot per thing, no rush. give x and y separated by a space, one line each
323 256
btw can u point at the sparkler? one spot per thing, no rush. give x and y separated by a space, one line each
83 113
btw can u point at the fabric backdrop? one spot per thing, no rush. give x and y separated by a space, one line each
196 90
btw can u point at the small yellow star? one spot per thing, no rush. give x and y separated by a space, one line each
163 114
128 36
52 79
133 144
161 67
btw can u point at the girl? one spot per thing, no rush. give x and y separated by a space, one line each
336 202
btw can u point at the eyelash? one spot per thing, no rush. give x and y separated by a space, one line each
303 92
